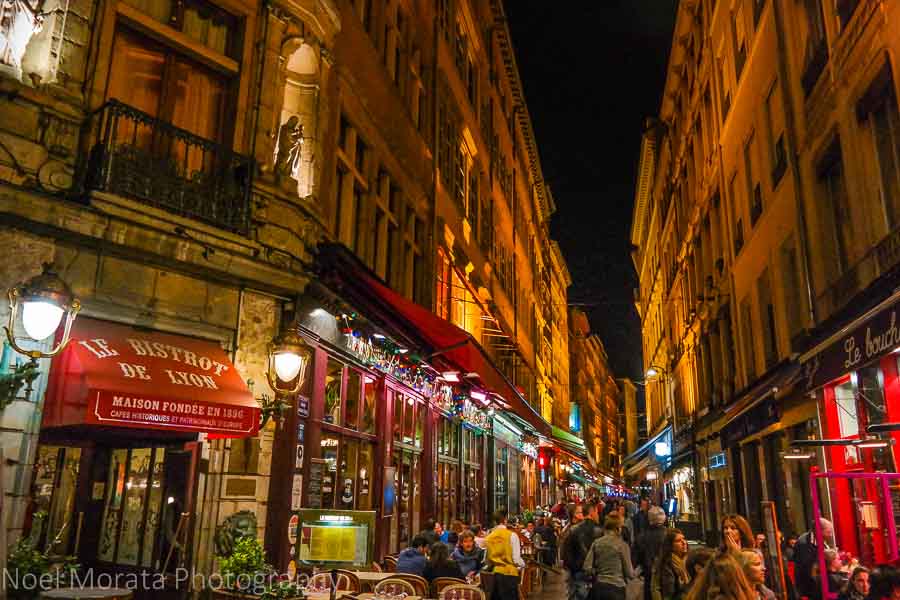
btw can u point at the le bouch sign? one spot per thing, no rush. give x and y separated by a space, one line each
870 340
150 379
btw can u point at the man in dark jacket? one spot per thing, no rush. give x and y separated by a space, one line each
547 536
648 545
639 522
429 532
806 557
412 560
576 548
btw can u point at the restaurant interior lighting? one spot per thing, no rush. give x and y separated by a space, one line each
378 336
796 455
450 376
873 443
476 395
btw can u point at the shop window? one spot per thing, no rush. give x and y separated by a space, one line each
501 469
55 479
134 514
329 445
364 474
845 398
353 398
347 482
408 420
369 396
407 509
334 382
422 414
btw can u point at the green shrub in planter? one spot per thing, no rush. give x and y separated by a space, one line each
246 572
27 568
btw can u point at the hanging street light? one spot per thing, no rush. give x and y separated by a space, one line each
289 357
43 300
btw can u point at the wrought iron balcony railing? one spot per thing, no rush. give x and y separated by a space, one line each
139 156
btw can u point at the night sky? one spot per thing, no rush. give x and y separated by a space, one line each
592 72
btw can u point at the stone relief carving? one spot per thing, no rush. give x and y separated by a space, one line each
287 148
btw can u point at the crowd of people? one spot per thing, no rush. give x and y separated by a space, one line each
622 550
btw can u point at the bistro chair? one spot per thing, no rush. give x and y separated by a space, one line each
526 579
419 583
390 564
440 583
345 581
462 591
395 586
376 568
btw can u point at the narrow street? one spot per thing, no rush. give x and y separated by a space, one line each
302 288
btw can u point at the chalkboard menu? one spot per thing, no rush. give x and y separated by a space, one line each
317 468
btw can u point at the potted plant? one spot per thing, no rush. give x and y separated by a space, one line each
246 574
27 568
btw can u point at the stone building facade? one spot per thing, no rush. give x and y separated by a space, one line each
758 232
594 406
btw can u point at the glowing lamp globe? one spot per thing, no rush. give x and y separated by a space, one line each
287 365
40 319
288 358
43 301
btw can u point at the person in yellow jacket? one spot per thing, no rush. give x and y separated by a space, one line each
504 558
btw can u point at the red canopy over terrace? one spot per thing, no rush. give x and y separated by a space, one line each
453 344
122 376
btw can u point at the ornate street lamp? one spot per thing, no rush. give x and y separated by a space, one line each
44 299
289 356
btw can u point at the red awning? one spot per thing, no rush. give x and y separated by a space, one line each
122 376
457 346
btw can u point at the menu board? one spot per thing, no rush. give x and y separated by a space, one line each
335 537
332 544
317 469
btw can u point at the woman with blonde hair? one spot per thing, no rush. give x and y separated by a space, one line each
722 579
755 570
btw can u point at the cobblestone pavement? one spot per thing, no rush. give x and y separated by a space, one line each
554 587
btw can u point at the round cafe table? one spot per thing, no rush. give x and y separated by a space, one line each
88 593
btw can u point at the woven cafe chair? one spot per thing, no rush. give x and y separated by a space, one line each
462 591
395 586
390 564
345 580
419 583
440 583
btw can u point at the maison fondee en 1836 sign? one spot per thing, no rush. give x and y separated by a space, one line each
873 338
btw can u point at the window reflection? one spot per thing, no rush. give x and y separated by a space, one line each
369 390
334 380
330 444
352 399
